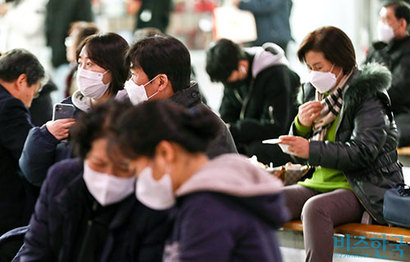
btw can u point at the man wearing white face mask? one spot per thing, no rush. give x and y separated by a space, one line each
87 210
259 100
393 51
161 69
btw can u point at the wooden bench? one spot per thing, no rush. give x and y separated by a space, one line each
404 155
404 151
356 229
353 230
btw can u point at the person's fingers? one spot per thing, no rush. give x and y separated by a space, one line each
68 125
287 140
311 104
65 120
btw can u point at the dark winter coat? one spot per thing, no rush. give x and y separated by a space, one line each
365 148
228 211
396 57
272 20
154 14
135 233
42 150
16 200
223 143
264 106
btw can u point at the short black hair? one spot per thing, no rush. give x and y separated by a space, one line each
335 45
108 51
99 122
144 126
222 59
401 9
20 61
162 55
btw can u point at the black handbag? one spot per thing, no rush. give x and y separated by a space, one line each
396 206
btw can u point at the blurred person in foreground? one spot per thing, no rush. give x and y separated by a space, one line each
344 129
161 69
393 51
87 209
20 80
259 100
226 209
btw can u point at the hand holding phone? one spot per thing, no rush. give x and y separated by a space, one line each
60 128
62 111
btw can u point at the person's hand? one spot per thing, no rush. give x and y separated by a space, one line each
308 112
298 146
60 128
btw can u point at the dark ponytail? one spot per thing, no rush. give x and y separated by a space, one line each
141 128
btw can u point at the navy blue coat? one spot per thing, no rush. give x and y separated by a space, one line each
16 201
213 226
42 150
136 233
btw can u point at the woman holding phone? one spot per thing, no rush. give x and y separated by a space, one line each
102 72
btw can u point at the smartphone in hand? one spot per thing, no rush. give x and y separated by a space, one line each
62 111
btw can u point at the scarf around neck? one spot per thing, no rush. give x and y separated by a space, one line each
332 104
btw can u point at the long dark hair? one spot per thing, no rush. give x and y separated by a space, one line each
108 51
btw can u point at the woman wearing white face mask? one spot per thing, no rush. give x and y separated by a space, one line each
87 210
346 130
102 72
226 208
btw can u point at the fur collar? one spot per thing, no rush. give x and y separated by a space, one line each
373 80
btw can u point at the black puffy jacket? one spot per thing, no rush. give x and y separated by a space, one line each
396 57
366 139
63 215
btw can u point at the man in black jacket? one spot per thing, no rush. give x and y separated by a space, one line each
161 69
20 75
259 95
393 51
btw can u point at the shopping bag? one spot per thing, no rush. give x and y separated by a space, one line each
234 24
290 173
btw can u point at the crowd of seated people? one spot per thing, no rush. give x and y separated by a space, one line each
144 171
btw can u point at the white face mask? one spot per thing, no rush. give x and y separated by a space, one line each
385 32
107 189
323 81
137 93
154 194
91 83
